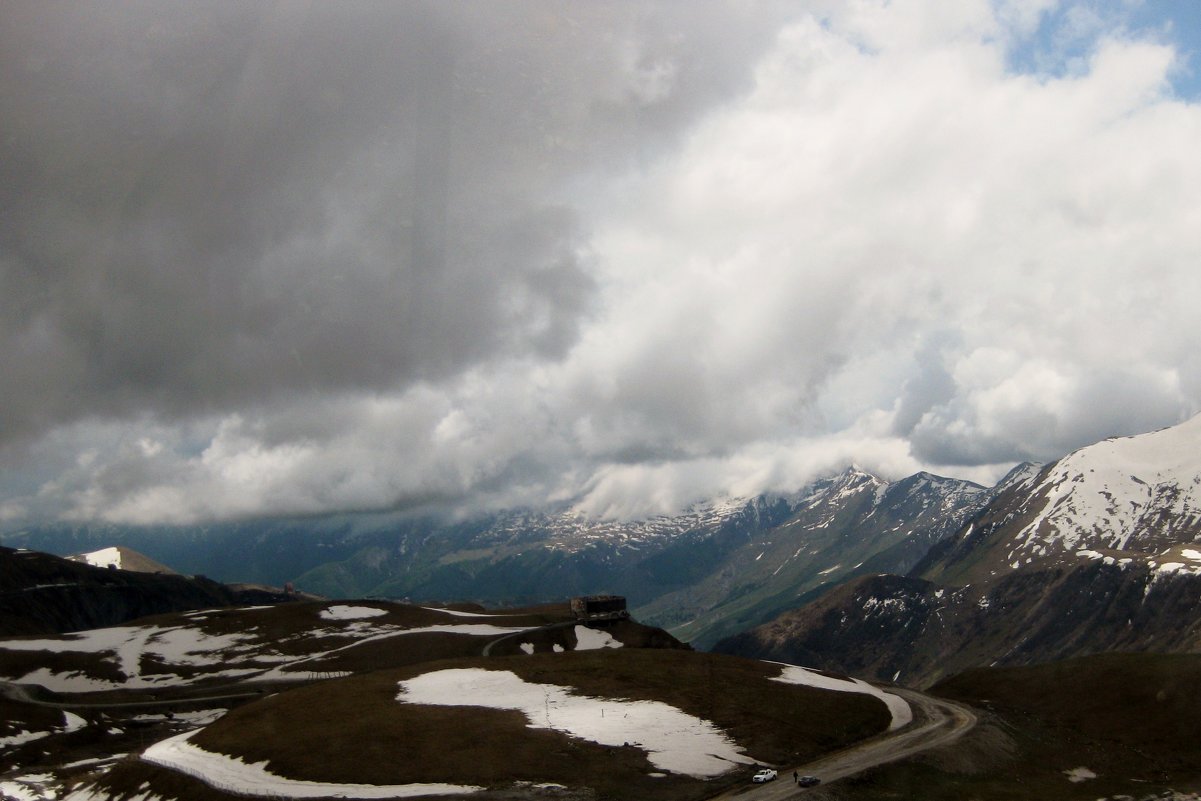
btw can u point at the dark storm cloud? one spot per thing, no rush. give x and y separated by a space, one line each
308 257
213 205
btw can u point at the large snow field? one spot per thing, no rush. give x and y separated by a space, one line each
898 707
1101 495
672 739
236 776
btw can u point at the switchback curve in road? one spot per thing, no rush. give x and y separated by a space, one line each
936 722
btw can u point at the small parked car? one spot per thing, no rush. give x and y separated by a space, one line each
809 781
765 775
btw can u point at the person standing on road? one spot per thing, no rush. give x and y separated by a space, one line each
795 778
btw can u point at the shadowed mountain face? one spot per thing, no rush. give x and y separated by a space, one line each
911 631
1096 552
44 594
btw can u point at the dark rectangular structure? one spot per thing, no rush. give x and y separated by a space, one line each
591 606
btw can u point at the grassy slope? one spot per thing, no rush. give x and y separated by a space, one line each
1133 719
354 729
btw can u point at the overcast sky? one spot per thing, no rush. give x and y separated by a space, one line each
293 258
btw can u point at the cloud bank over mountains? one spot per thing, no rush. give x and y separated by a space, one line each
302 258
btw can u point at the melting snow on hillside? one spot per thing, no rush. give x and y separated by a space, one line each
106 557
1115 493
233 775
165 656
898 707
352 612
71 723
674 741
590 639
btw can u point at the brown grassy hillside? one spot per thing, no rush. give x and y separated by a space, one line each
1133 720
355 730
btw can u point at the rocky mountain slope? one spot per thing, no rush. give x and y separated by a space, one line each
712 570
1096 552
1134 498
849 525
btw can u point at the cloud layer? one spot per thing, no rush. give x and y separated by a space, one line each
306 258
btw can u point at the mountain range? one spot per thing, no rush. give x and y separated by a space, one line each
711 571
952 573
1000 601
1095 552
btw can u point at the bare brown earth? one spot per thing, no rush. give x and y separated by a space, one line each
1133 720
354 730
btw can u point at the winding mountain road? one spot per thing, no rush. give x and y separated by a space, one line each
21 693
936 722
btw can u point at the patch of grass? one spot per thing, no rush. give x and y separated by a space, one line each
1132 719
354 730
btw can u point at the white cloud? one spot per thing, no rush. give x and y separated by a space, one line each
892 250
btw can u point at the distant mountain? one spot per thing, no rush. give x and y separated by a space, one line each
715 569
121 558
849 525
45 594
1132 498
1096 552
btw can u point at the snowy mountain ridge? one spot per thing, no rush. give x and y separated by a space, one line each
1124 493
1100 550
571 531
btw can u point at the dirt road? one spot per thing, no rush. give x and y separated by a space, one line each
935 723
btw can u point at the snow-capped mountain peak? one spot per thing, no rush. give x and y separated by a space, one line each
1135 497
1134 493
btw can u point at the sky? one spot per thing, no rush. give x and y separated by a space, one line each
270 259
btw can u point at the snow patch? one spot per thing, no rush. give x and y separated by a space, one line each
72 722
902 713
673 740
240 655
1079 775
105 557
587 639
34 787
352 612
233 775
